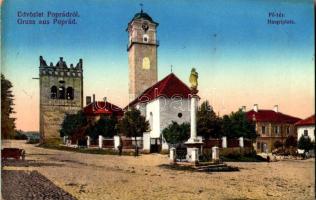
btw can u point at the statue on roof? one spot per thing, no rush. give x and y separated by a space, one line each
42 62
79 64
194 79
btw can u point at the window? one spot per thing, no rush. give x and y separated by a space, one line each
151 120
263 130
146 63
145 38
288 130
258 145
53 92
61 91
70 93
277 130
179 115
305 133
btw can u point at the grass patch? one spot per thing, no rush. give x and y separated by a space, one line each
57 146
252 158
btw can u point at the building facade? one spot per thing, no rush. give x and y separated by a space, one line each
142 53
166 101
306 127
61 92
272 127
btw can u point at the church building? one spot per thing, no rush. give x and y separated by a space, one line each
160 102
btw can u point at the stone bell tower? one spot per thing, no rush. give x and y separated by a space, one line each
142 53
61 92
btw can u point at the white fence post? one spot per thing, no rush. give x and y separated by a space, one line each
172 154
241 142
117 142
224 142
146 141
100 141
215 153
88 141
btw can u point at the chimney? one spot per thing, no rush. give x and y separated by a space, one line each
88 100
255 107
276 108
93 98
243 108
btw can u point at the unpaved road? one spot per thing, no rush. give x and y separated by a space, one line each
86 176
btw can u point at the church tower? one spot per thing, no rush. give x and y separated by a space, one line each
142 53
61 93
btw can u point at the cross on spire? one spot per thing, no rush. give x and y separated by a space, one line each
141 7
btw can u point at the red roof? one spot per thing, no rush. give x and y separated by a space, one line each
271 116
171 86
101 107
306 122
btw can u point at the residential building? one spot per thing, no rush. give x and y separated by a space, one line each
272 127
306 127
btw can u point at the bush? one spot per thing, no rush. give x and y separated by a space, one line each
305 143
277 144
240 155
20 136
290 141
175 133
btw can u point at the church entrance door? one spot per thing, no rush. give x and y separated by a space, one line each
155 145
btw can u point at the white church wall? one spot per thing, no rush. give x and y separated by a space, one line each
170 109
153 116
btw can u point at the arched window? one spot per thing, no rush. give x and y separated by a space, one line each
61 92
146 63
70 93
145 38
151 121
53 92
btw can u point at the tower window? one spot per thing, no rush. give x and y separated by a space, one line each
53 92
61 91
70 93
145 38
146 63
179 115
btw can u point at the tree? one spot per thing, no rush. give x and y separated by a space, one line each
105 126
226 126
7 122
277 144
133 124
72 123
290 141
208 123
175 133
305 143
237 125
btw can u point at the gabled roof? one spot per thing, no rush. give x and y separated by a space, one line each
101 107
271 116
171 87
306 122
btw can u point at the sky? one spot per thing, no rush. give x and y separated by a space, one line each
241 59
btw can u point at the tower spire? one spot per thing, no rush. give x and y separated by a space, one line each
141 7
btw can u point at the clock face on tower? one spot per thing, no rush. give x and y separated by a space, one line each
146 63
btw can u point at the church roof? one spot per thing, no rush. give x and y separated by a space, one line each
101 107
271 116
143 15
307 122
170 86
